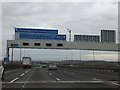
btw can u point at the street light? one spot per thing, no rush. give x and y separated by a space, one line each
69 34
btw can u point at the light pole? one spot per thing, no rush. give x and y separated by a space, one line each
69 34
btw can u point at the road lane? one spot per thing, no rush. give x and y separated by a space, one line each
62 78
111 76
10 75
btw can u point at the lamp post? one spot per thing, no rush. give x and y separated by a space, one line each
69 34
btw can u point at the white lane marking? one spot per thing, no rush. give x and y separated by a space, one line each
57 79
115 83
97 79
58 82
46 71
13 80
27 71
28 78
107 82
22 74
50 73
111 82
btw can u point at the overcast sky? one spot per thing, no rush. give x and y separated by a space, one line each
80 17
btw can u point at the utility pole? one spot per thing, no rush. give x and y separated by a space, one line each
69 34
12 48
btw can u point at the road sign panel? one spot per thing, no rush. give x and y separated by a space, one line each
31 30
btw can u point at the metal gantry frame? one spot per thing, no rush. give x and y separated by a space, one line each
66 46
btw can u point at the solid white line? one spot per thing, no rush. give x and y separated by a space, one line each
13 80
58 82
27 71
97 79
115 83
107 82
22 74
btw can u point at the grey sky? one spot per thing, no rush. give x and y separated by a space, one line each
80 17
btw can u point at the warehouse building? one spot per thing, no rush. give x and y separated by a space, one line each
86 38
108 36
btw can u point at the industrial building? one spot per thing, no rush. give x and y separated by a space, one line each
108 36
86 38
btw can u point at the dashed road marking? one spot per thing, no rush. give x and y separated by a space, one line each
22 74
50 73
13 80
58 79
27 71
95 82
28 78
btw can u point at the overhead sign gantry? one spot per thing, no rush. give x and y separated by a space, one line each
50 39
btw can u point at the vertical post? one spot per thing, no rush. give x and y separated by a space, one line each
69 34
7 53
12 55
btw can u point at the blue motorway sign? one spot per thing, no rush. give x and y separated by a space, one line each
42 36
31 30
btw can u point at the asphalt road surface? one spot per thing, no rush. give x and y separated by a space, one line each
38 77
